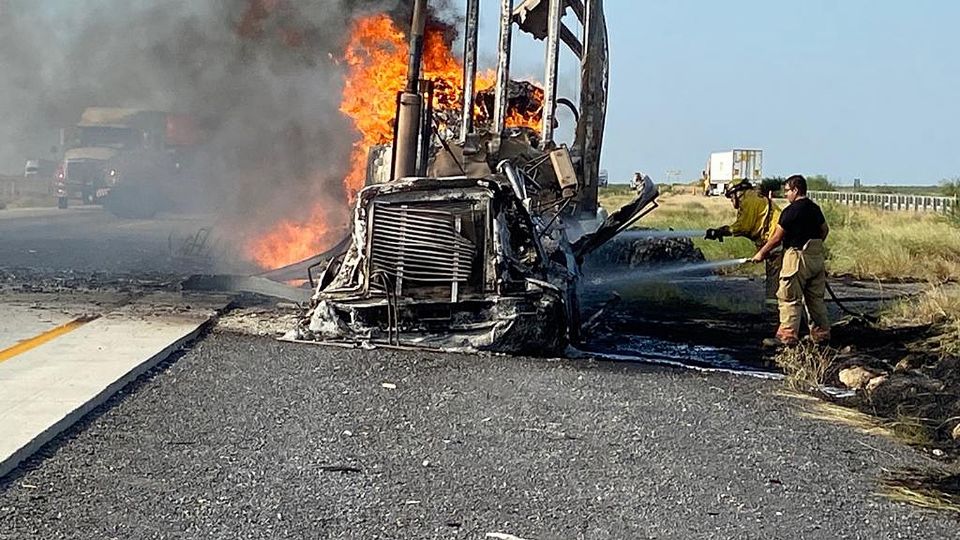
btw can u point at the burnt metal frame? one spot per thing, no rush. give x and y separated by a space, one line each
594 79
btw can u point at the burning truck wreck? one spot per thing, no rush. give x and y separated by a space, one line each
472 236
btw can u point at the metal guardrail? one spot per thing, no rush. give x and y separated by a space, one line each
887 201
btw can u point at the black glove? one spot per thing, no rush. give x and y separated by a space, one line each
714 234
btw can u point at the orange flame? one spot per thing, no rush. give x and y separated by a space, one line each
290 242
376 59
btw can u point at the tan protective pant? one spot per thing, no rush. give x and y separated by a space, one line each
772 266
803 283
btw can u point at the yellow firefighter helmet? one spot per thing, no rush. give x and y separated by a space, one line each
736 186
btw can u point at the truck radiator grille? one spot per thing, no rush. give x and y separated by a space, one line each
84 172
420 245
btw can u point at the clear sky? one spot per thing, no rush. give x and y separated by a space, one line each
846 88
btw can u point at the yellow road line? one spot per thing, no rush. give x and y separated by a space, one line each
40 339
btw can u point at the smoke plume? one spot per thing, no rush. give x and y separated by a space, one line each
261 76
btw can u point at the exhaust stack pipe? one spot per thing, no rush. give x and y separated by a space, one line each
503 69
554 14
406 143
469 67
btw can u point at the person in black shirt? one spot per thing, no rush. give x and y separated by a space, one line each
801 229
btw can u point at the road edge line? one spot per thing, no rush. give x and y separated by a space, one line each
44 337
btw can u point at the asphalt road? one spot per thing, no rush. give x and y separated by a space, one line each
88 239
247 437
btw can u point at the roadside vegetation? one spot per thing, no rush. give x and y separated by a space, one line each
950 187
864 243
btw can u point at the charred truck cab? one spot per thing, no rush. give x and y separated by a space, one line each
476 242
450 263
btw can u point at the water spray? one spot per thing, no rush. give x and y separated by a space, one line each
645 234
647 274
697 267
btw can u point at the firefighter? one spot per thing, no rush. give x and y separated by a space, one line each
801 229
757 217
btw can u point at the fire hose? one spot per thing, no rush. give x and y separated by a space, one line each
865 317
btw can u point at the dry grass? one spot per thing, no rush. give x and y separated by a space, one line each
845 416
805 365
940 305
937 305
684 211
910 431
677 210
933 490
805 368
950 339
873 244
864 243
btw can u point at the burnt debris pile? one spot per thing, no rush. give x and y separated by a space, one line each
634 252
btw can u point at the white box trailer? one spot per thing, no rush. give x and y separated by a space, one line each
725 167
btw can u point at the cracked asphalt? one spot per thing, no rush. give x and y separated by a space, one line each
247 437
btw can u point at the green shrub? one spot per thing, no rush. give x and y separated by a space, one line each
950 187
839 215
820 182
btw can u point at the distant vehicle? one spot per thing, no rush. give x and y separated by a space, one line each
725 167
125 158
604 179
40 169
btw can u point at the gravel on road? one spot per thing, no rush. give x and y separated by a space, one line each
247 437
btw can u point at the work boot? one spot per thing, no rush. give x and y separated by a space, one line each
820 336
787 335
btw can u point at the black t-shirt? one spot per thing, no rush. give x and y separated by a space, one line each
801 221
